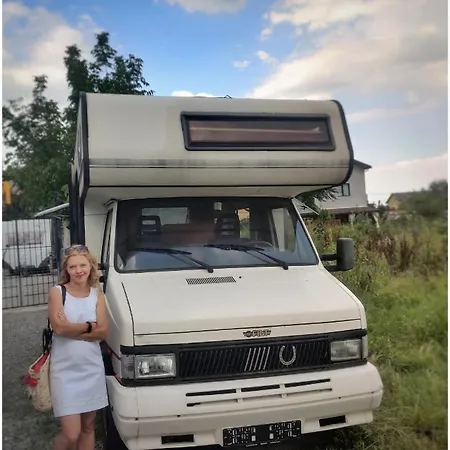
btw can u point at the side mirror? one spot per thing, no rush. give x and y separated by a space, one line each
344 256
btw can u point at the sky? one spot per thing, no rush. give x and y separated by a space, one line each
384 60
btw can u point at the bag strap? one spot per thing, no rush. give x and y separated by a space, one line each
47 334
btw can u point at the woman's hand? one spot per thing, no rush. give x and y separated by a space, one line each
99 330
84 336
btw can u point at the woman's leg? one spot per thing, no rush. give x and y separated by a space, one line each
87 435
70 432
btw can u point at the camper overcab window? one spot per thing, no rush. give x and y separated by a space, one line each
256 132
225 325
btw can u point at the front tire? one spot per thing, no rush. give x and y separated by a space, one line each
112 439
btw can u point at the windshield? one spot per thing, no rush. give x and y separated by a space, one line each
209 233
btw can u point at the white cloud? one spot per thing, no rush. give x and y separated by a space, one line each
191 94
405 176
319 15
11 9
34 41
383 113
266 57
209 6
265 33
241 64
362 47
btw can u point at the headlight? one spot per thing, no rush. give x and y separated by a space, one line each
149 366
154 366
346 350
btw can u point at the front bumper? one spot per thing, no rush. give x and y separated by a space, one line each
143 415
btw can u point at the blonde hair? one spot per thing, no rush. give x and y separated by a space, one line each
79 250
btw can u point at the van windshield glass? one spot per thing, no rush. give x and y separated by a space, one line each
166 234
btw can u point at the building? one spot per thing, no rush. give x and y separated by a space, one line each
351 197
397 199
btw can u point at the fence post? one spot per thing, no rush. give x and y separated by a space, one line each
19 274
58 242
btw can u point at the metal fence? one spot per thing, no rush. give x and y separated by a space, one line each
29 260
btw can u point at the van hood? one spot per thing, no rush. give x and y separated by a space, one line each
189 301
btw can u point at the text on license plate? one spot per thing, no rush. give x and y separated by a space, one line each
254 435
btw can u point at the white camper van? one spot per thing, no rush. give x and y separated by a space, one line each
225 326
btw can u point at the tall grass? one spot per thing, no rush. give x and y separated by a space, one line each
400 275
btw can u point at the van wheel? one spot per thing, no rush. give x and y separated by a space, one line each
112 439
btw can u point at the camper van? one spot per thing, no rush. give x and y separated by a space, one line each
226 327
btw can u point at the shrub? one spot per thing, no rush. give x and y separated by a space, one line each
400 275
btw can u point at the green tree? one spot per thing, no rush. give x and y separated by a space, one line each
35 133
311 199
107 73
41 135
431 203
14 211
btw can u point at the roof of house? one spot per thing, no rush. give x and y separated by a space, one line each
363 165
402 196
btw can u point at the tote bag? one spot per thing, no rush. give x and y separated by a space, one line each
37 379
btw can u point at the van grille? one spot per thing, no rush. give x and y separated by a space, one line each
250 358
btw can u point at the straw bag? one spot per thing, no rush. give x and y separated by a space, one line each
37 379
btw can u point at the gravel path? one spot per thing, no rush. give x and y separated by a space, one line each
25 429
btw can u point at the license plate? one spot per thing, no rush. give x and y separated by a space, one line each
255 435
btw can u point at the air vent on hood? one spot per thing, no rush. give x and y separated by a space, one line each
210 280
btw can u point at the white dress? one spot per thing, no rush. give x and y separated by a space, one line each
77 374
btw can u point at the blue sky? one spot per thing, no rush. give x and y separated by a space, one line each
387 64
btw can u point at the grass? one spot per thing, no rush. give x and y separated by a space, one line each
401 277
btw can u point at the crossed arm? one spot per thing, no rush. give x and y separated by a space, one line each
62 327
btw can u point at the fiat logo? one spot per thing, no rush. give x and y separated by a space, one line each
257 333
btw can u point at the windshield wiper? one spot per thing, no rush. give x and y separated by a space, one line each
174 251
248 248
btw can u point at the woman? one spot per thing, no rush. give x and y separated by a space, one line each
77 376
